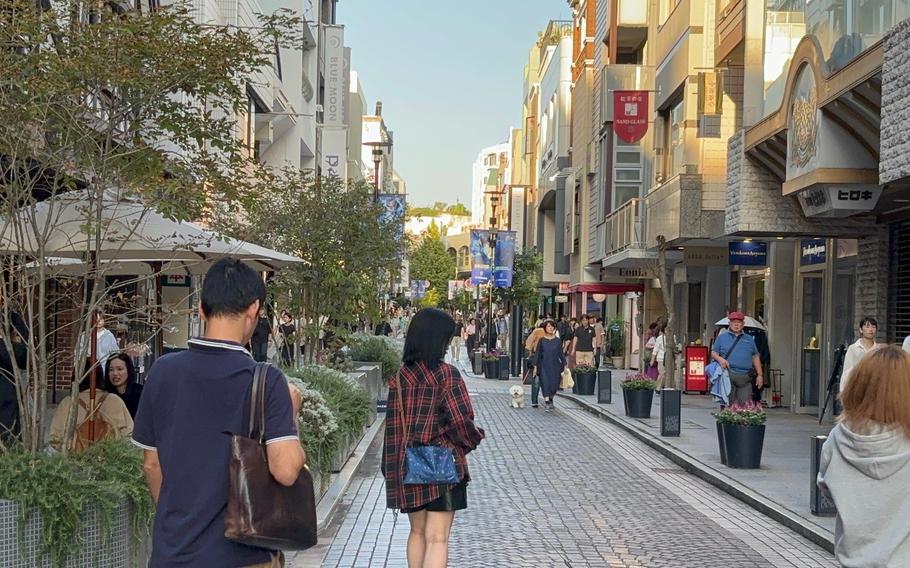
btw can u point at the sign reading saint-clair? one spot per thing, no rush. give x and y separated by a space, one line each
630 115
753 253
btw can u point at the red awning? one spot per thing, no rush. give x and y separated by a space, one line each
604 288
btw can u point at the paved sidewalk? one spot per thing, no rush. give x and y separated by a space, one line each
784 477
569 489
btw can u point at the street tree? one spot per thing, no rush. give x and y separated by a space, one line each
429 260
349 252
113 105
526 274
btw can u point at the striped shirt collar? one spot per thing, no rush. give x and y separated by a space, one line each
208 343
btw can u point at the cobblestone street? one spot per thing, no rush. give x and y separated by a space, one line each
567 489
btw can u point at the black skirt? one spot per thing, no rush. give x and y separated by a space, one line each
454 499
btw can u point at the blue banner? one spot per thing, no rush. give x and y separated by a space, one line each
419 289
752 253
481 267
812 251
503 259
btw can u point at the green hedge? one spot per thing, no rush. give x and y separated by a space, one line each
335 410
61 488
373 348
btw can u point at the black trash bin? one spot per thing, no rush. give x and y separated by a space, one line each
820 502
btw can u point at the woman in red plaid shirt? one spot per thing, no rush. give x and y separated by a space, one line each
438 411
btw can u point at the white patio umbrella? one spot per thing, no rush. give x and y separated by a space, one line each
748 322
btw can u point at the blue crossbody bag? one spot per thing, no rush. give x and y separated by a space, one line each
426 464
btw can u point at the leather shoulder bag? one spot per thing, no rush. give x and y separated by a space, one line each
426 464
262 512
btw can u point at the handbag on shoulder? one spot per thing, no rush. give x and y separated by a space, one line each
426 464
262 512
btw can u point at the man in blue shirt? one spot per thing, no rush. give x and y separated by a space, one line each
191 399
736 351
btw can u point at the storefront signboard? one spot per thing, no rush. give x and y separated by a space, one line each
839 200
562 299
751 253
631 273
630 115
180 280
812 251
705 256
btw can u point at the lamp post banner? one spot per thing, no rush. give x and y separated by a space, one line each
481 267
630 115
503 259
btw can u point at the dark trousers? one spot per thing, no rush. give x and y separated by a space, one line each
741 384
597 353
260 352
535 389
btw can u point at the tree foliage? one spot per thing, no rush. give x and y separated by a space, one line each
526 275
429 260
127 106
349 252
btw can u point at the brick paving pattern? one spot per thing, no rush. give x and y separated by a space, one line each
568 489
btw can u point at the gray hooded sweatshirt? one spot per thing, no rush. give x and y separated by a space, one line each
868 476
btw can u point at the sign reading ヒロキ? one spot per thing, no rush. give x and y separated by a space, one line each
630 115
838 200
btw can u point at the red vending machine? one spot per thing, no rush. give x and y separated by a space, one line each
696 357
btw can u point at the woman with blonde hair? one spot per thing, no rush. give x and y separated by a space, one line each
531 347
865 463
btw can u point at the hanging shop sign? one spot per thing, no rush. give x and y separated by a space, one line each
517 212
838 200
812 251
503 259
630 115
561 299
176 280
752 253
481 267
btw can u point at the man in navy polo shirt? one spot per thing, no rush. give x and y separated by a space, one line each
190 400
737 352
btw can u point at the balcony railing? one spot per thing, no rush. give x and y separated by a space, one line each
623 78
622 230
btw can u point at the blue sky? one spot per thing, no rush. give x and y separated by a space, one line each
449 75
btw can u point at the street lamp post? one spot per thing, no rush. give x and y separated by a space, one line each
377 162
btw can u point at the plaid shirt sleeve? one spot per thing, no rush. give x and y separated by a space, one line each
457 413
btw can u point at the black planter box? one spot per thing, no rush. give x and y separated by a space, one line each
491 368
638 402
477 362
721 443
743 445
670 412
604 386
820 502
585 382
504 367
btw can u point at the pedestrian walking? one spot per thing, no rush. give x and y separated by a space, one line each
531 348
658 356
600 338
287 332
191 399
428 405
736 351
868 327
549 362
470 336
259 343
502 331
583 342
865 463
650 362
457 339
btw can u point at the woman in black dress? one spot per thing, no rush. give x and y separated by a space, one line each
287 330
121 378
549 362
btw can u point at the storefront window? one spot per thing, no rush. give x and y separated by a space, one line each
675 138
810 371
843 29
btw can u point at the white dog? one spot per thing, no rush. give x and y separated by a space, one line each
518 396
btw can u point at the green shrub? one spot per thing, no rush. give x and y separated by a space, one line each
377 348
335 410
61 488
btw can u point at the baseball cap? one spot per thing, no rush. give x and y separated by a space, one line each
737 316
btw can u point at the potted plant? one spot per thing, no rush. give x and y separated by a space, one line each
585 379
617 344
491 364
741 434
637 394
505 372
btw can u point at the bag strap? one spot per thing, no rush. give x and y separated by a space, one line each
257 401
732 347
